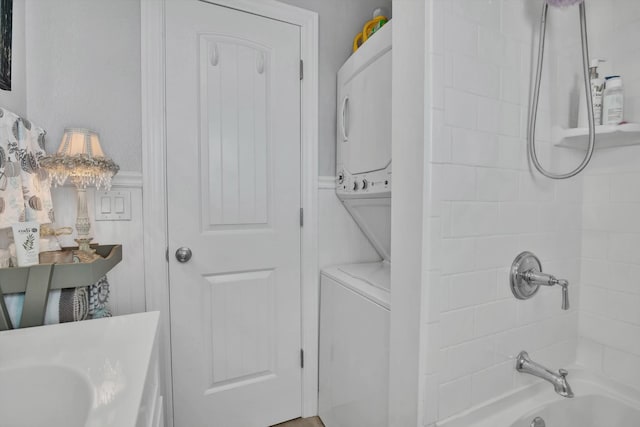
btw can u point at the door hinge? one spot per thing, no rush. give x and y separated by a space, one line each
301 69
301 217
301 358
166 254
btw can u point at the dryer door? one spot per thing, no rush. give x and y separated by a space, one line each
364 116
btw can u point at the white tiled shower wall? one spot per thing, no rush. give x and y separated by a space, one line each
609 331
487 205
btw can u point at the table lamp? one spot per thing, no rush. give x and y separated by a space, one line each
80 158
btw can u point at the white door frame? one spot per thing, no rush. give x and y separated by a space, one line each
154 177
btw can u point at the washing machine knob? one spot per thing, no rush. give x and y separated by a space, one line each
356 186
365 184
340 177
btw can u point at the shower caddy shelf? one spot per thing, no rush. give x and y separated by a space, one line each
37 280
607 136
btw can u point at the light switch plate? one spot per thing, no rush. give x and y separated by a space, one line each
113 205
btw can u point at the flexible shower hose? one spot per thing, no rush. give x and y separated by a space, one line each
533 111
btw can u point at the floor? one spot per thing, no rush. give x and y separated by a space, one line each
302 422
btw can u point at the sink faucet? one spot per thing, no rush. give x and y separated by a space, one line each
559 380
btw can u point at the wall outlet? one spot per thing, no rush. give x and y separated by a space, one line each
113 205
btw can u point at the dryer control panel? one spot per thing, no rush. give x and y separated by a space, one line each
365 184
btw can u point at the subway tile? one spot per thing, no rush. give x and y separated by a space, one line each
622 366
612 333
491 383
569 190
510 119
458 255
593 299
456 327
496 251
492 46
624 247
624 187
623 306
461 108
561 216
510 83
495 317
590 354
595 244
560 354
516 218
488 115
544 305
513 154
468 358
503 287
451 182
471 75
471 289
536 188
470 147
497 184
597 188
473 219
510 343
619 277
461 35
484 13
454 397
598 273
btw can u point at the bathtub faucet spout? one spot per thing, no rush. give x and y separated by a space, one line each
559 380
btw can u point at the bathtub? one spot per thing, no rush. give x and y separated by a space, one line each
598 402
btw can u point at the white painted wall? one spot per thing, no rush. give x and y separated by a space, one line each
16 99
83 70
340 20
340 239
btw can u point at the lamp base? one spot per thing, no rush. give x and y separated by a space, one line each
83 244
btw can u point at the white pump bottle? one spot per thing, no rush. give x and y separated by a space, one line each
597 88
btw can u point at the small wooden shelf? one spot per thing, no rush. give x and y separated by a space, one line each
37 280
607 136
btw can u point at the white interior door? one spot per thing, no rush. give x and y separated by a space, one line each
233 170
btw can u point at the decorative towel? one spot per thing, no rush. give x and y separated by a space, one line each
67 305
25 193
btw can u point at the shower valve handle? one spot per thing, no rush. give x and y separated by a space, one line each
540 278
527 277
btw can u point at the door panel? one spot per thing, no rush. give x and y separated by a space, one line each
234 117
233 149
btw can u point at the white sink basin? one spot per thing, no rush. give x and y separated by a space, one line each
82 374
44 395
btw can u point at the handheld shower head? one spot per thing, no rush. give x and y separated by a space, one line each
563 3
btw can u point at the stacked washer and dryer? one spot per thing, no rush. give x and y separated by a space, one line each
354 302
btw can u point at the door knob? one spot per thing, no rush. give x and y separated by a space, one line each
183 254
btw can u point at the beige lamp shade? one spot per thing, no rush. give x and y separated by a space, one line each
78 141
80 158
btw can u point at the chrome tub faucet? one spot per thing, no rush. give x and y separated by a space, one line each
559 380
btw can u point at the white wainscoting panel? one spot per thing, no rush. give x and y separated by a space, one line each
127 278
